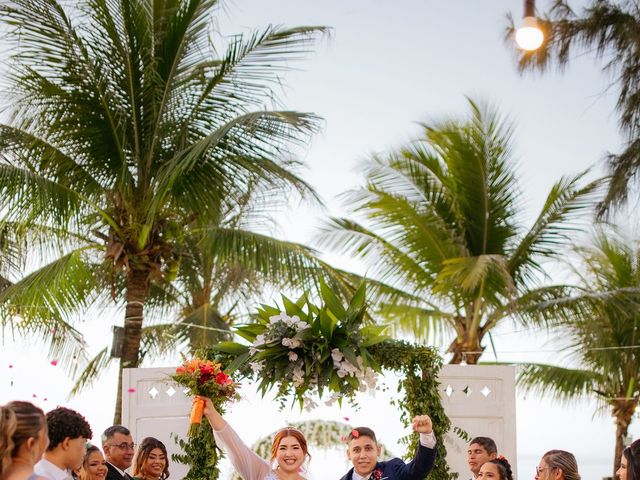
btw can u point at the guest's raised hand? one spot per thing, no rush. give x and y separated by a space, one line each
422 424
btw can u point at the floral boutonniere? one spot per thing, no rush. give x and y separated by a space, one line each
377 475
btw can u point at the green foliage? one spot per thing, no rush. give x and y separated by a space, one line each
442 237
602 344
419 367
310 349
200 452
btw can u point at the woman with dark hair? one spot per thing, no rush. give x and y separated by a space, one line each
630 462
288 450
495 469
94 466
23 440
151 461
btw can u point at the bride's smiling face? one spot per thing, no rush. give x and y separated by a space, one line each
290 455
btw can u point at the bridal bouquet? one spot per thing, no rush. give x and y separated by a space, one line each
204 378
307 349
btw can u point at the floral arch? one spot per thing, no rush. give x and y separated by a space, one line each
327 353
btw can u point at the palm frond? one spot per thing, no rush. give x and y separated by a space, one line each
96 367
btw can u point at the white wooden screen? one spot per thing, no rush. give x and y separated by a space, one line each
154 406
480 399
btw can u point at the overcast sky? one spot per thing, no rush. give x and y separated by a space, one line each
384 67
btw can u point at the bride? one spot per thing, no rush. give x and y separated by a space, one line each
288 450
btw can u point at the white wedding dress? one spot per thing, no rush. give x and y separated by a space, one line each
248 464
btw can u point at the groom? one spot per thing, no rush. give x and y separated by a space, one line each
364 451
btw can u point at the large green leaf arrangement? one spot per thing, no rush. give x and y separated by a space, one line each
310 352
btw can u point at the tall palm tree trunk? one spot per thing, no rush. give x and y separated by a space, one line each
467 344
137 289
623 411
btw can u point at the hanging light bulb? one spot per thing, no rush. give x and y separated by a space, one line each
529 36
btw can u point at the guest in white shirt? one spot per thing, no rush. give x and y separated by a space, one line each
68 436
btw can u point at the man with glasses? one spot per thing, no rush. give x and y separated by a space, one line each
118 448
68 435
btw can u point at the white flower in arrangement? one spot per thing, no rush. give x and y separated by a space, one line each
291 321
276 318
256 366
293 356
333 398
291 342
309 404
259 340
336 355
298 377
301 325
370 377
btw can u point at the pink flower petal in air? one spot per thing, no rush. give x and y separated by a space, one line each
34 396
131 390
54 362
346 419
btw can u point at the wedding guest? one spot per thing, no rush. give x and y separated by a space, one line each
481 450
118 448
363 451
94 466
630 462
23 440
288 450
495 469
557 465
68 436
151 461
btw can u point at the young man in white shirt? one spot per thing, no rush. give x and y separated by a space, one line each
68 436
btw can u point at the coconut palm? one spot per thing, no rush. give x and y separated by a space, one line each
224 272
125 128
442 239
603 351
608 30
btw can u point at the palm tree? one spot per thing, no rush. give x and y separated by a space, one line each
225 271
602 348
126 128
607 29
442 239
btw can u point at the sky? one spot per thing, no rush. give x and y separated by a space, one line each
385 67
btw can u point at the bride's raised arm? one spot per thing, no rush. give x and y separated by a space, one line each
245 461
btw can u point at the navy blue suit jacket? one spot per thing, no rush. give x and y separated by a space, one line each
396 469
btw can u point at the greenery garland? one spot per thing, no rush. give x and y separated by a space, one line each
419 366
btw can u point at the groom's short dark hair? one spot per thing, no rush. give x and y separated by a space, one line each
366 431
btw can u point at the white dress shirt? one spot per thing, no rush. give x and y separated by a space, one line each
46 469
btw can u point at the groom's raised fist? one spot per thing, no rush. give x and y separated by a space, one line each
422 424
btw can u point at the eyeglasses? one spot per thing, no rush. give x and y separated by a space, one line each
540 469
124 446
